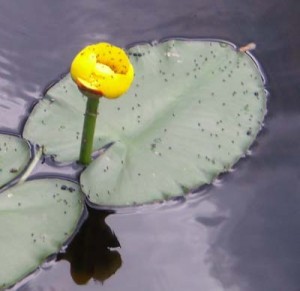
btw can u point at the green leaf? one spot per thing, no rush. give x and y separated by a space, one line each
14 157
194 109
36 218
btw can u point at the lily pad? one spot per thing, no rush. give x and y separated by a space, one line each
36 218
194 109
14 157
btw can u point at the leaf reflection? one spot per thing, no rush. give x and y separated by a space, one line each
90 253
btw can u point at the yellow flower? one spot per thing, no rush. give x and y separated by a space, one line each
103 70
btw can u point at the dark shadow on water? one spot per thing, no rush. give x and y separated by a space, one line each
90 253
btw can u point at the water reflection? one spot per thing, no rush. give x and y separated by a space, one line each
244 235
90 253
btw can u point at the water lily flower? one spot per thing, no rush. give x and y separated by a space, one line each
99 70
103 70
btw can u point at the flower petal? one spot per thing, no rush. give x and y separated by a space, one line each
103 69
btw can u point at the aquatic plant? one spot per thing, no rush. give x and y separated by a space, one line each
37 217
194 109
14 157
99 70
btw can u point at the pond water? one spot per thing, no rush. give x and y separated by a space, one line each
243 233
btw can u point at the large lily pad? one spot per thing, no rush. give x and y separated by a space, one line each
194 109
14 157
36 218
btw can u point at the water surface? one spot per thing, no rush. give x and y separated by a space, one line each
240 235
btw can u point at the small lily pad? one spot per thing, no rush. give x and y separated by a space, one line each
194 109
14 157
36 218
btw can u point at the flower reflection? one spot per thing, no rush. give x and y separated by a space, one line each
90 253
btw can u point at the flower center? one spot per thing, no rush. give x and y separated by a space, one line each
112 57
104 69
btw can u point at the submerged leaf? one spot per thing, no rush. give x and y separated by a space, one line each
194 109
36 218
14 157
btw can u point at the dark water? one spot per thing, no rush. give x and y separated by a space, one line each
240 235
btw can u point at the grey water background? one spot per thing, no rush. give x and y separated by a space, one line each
242 234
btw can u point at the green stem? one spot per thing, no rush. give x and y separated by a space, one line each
88 131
